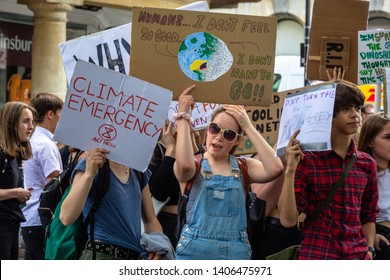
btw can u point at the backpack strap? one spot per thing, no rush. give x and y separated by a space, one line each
72 162
103 182
140 177
244 172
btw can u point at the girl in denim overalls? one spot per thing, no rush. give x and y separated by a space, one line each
216 223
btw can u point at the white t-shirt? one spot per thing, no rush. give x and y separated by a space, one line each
384 196
46 159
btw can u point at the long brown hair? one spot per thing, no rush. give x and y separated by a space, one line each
10 114
371 127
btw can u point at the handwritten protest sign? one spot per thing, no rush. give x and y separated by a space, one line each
109 48
386 89
230 58
201 114
374 55
333 37
107 109
312 113
265 120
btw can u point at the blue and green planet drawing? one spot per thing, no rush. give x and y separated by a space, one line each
204 57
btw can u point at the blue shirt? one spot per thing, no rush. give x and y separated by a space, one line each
118 218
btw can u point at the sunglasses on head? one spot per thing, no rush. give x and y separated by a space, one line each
229 135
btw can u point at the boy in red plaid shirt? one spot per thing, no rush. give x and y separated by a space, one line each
345 229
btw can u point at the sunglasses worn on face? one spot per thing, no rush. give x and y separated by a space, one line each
229 135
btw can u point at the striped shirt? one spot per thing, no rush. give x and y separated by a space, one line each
337 232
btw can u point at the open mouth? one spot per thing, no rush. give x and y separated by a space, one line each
203 66
216 146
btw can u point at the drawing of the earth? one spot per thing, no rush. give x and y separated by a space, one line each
204 57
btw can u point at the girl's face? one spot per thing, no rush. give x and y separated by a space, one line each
380 147
216 144
25 126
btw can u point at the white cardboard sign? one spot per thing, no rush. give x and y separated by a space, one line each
312 113
117 112
374 55
109 49
201 114
386 89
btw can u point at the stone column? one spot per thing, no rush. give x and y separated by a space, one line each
47 73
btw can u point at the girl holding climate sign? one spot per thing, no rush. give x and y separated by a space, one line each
217 217
118 219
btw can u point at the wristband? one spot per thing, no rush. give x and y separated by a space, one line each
183 115
373 251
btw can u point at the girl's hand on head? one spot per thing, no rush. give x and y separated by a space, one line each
240 114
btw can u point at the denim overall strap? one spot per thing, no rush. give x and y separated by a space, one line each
233 165
216 227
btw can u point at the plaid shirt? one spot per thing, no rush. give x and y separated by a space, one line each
337 232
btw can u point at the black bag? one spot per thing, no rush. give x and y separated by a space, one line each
255 209
255 213
54 190
289 253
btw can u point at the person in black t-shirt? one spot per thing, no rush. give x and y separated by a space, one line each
163 184
16 127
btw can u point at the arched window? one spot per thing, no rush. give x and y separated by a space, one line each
378 20
289 36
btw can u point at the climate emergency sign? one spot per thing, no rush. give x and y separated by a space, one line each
117 112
